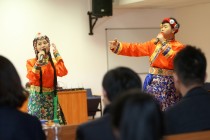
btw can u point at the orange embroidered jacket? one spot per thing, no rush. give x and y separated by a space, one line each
158 58
33 71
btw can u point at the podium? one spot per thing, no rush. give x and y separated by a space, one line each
73 104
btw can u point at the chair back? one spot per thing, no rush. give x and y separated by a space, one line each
89 92
93 103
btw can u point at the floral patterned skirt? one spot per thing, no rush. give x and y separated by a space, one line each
163 89
41 106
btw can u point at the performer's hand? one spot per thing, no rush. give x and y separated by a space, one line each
113 44
54 47
41 53
41 56
160 37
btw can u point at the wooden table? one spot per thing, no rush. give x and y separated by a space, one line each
65 132
200 135
68 132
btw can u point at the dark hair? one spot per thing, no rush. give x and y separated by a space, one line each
51 61
120 79
190 65
11 90
137 116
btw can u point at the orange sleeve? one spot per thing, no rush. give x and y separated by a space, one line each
32 70
135 49
60 68
59 65
164 59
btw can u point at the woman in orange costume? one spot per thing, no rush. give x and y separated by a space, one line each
161 52
42 72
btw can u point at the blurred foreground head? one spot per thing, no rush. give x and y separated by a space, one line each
189 67
137 116
11 90
120 79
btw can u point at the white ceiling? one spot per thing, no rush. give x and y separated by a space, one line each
156 3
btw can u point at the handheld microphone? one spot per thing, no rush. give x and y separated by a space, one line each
156 41
41 58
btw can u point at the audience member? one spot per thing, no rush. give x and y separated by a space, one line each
15 125
192 113
137 116
114 82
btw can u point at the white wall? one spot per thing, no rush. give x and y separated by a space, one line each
195 28
66 24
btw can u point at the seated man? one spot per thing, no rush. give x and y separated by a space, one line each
114 83
192 113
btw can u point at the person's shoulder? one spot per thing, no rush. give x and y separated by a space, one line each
197 92
99 128
96 123
180 44
95 126
170 111
19 123
31 60
196 95
176 43
27 117
174 110
21 118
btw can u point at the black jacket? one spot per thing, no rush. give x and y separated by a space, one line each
16 125
99 129
192 113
